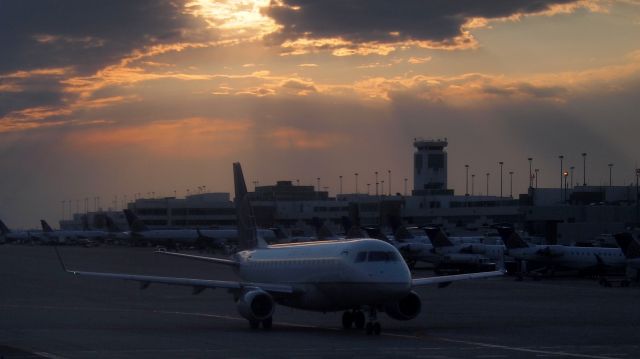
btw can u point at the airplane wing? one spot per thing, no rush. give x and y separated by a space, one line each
201 258
446 279
197 284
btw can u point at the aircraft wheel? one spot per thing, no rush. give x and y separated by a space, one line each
255 324
358 319
347 320
267 323
369 328
376 328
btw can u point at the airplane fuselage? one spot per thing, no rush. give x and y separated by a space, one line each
330 275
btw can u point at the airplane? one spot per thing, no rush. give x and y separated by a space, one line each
215 238
584 259
631 249
464 256
12 236
351 275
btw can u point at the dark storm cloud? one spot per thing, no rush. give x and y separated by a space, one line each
374 20
86 35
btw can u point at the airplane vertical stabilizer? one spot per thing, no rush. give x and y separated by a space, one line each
247 234
135 223
511 238
437 237
3 228
46 228
630 247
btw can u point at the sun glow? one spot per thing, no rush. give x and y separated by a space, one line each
236 18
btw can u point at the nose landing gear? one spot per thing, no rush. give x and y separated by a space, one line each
356 318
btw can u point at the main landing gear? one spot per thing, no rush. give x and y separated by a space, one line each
356 318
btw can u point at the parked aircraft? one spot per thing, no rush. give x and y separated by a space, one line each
356 276
631 249
585 259
461 255
203 238
13 236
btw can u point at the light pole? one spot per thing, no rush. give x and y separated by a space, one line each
561 157
584 168
340 184
566 175
511 184
376 173
389 183
473 177
537 174
610 178
62 202
637 198
487 183
530 178
466 183
382 187
572 183
318 181
368 185
405 186
356 174
501 163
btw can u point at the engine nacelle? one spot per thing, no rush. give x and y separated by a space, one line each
406 308
256 305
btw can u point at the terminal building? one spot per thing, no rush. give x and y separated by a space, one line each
578 214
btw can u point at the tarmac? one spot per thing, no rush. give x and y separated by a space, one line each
47 313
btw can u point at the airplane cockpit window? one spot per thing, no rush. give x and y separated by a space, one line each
361 257
380 256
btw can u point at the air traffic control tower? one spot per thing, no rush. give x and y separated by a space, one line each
430 167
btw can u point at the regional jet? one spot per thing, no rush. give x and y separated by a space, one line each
562 257
356 276
13 236
631 249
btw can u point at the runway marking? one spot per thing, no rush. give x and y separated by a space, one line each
525 350
48 355
308 326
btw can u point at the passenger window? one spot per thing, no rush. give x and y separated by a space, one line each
361 257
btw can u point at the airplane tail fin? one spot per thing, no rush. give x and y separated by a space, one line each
45 226
247 233
402 233
85 223
511 238
3 228
437 237
111 225
376 233
630 247
324 232
135 223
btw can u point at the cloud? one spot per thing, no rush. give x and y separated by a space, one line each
365 26
85 35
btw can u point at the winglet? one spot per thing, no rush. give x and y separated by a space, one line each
3 228
630 247
511 238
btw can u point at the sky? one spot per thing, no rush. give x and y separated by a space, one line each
118 99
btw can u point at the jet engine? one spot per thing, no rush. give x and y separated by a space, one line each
406 308
256 305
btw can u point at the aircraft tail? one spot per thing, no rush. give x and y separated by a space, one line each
46 228
630 247
437 237
3 228
401 234
376 233
111 225
247 233
135 223
511 238
85 223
